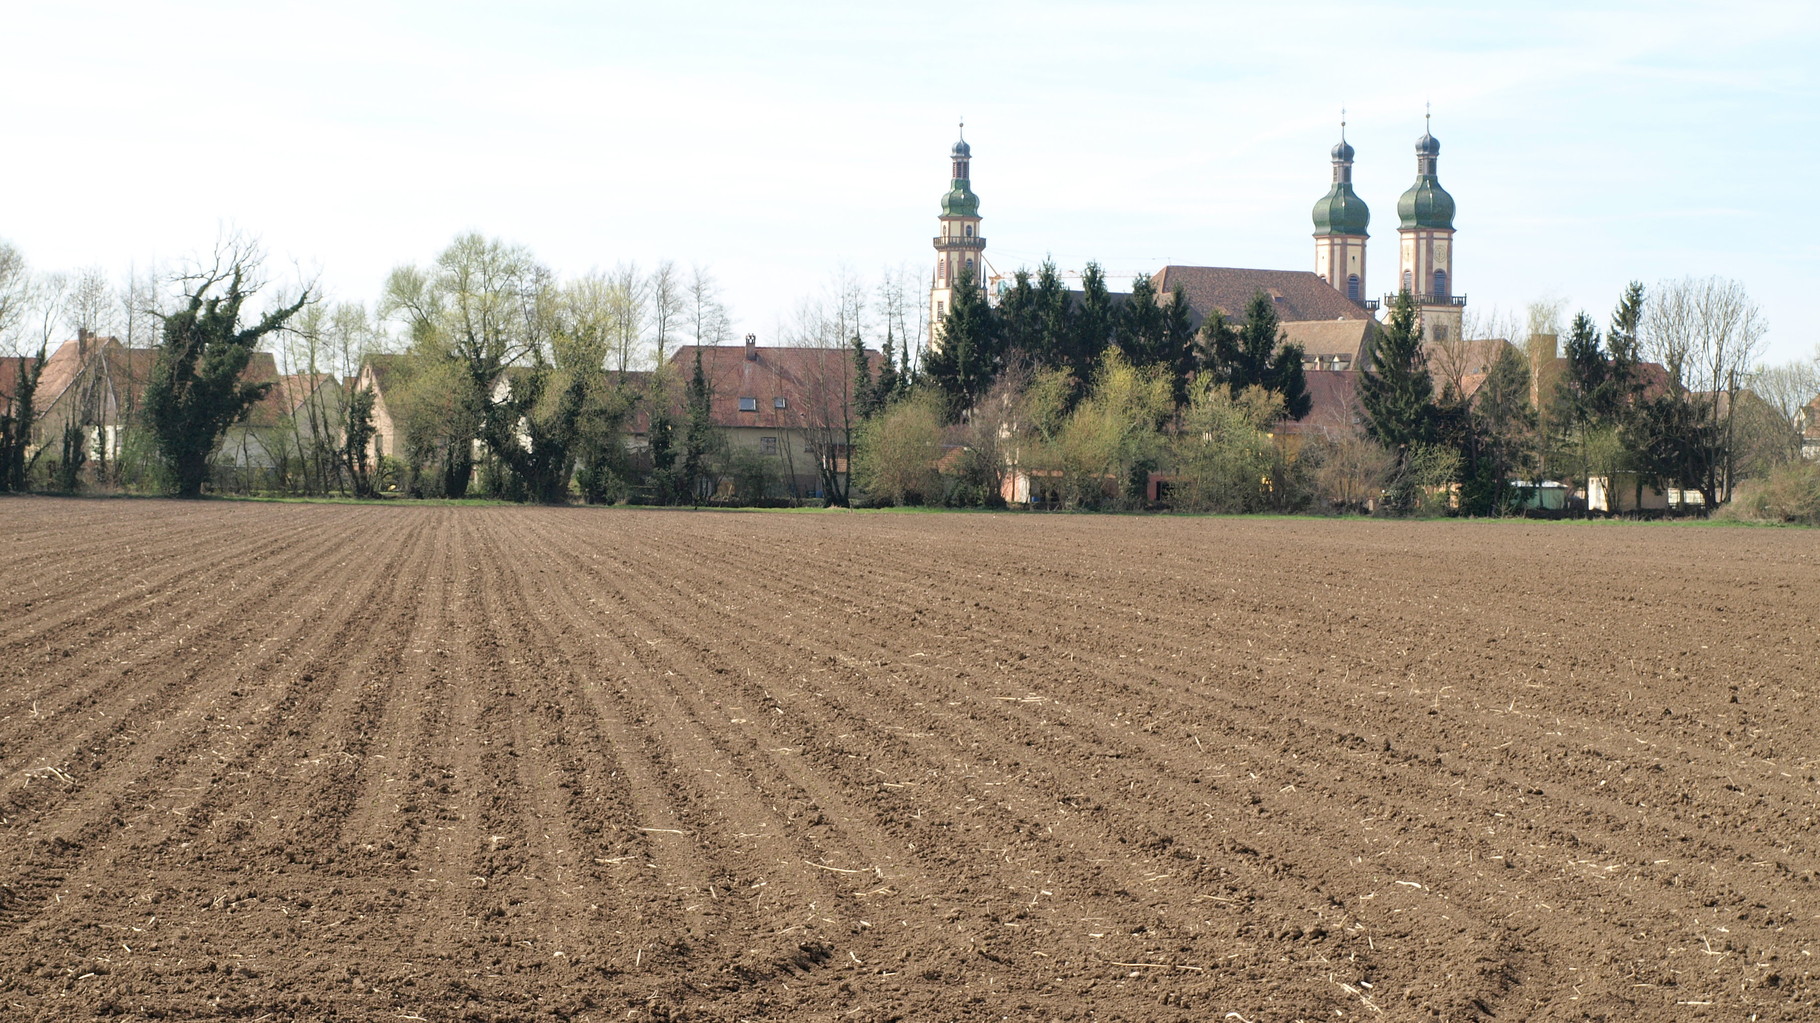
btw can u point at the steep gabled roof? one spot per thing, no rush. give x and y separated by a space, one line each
62 368
123 371
813 383
284 400
1324 339
1298 294
1334 407
381 369
12 367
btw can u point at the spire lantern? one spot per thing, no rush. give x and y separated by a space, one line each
959 248
1341 220
1425 239
1426 204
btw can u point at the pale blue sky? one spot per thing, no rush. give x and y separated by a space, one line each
1585 145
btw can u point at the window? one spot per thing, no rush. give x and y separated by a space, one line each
1440 284
779 402
1352 287
748 404
941 270
767 445
969 230
969 266
1440 332
1409 280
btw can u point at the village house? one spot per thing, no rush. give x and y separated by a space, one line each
298 420
96 384
787 410
378 374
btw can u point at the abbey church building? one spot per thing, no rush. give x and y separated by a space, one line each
1329 311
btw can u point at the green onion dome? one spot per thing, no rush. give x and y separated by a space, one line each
1426 204
1341 211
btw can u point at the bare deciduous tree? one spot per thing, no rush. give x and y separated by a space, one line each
628 302
15 295
1787 388
1708 332
708 320
668 303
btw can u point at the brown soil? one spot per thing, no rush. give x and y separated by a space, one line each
302 762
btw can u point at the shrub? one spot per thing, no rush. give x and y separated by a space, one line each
1791 493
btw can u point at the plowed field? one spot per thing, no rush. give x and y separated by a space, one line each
309 762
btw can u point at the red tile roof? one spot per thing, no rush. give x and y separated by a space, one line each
1298 294
11 368
1334 407
285 399
814 384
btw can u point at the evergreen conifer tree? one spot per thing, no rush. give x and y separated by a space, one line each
1248 355
1090 327
1395 388
1054 318
966 359
701 427
1138 327
1178 344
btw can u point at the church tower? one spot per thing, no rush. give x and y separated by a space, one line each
1425 215
1340 220
959 247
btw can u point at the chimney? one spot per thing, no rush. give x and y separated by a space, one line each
85 342
751 347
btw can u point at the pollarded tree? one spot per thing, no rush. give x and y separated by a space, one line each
16 403
357 432
197 388
482 306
